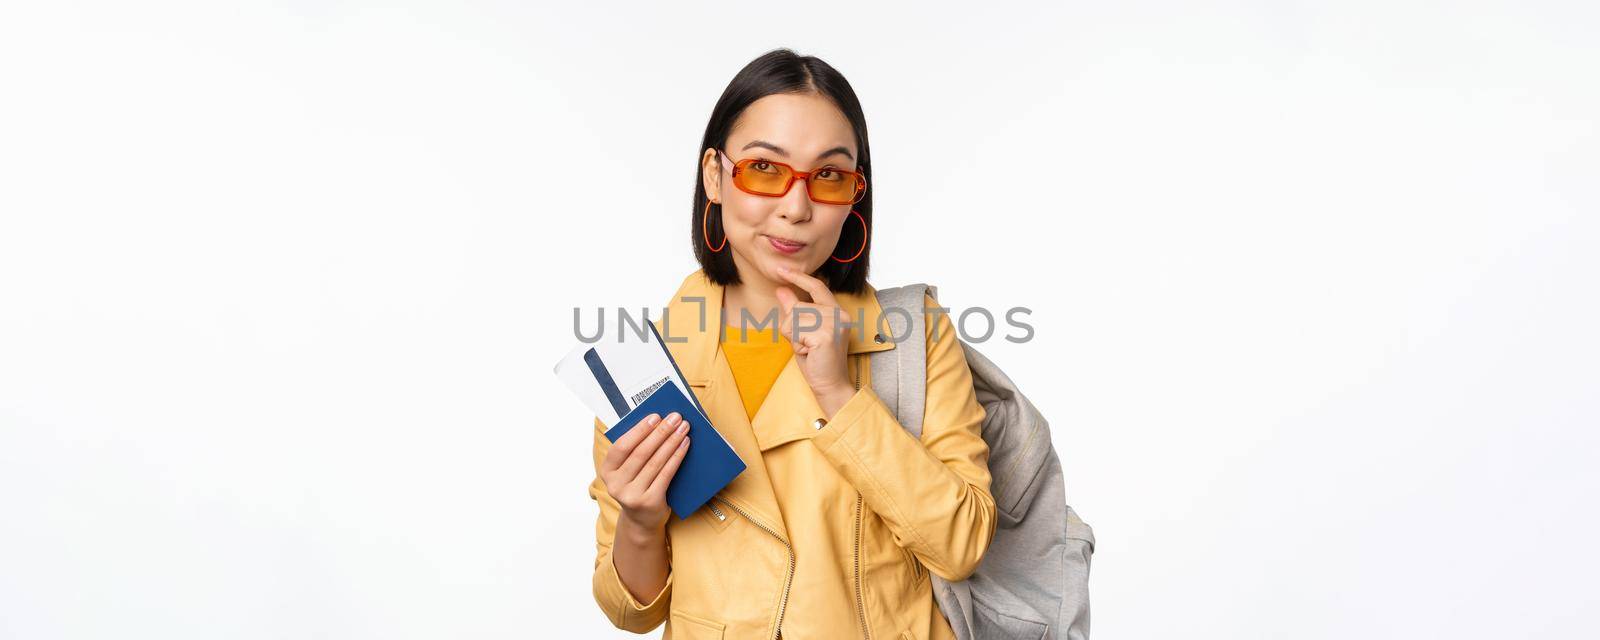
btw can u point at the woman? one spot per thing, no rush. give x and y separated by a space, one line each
840 514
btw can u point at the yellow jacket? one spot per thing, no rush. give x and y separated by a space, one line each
828 533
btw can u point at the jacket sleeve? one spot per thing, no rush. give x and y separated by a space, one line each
934 494
625 611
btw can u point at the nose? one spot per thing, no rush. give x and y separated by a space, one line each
795 206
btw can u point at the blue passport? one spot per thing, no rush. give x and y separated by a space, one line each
708 466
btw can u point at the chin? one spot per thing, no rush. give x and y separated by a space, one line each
793 262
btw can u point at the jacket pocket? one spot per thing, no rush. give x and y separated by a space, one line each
988 623
686 626
916 565
716 515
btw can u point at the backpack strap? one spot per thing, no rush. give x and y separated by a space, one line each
900 378
900 375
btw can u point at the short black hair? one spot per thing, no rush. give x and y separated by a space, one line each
783 71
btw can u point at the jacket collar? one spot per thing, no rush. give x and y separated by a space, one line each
692 329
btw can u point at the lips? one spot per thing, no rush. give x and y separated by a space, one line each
786 246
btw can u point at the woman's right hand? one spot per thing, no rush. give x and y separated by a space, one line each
640 464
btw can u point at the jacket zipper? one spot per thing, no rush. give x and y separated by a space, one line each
861 603
788 576
861 607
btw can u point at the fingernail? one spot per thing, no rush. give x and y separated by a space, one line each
652 419
682 427
673 417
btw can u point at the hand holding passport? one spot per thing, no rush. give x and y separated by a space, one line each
626 380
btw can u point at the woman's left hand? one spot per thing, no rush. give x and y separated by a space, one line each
821 350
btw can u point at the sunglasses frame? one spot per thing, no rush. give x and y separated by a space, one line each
795 174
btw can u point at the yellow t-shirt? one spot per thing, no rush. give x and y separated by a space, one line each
756 362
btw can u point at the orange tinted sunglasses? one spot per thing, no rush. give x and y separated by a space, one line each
825 185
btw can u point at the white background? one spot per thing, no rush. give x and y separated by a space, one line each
282 284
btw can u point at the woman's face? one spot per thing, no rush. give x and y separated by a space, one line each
804 131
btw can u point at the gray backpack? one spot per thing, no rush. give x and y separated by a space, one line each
1033 582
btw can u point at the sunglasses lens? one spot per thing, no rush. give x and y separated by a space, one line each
833 186
764 178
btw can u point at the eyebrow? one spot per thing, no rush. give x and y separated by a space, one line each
779 150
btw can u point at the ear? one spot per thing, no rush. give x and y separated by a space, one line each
711 174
